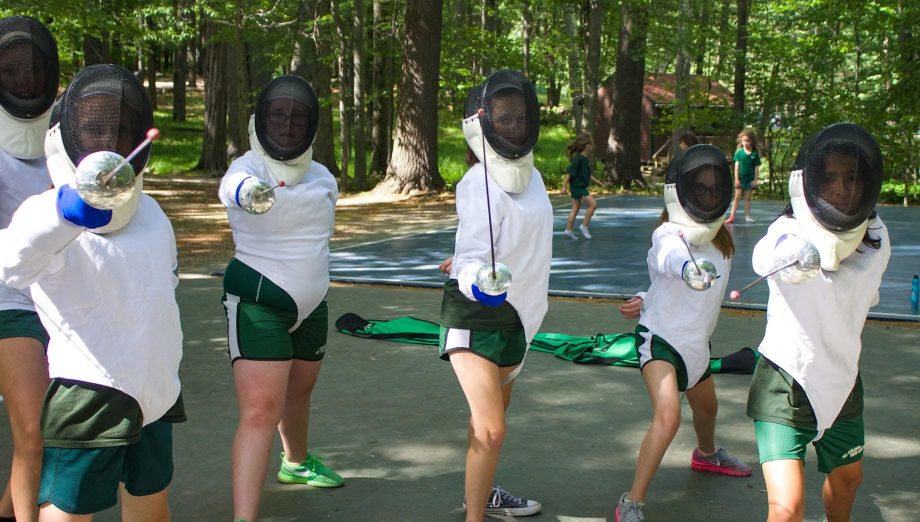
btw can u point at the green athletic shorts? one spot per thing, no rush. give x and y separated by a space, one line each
579 192
502 347
81 481
261 333
840 445
662 351
22 323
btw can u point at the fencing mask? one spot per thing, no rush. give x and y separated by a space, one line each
697 192
834 187
284 127
28 85
105 108
503 135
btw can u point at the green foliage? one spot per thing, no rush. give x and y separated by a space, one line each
177 151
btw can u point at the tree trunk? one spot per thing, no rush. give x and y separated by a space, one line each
528 35
150 71
592 61
345 91
95 51
624 143
414 164
194 51
357 46
237 90
744 9
576 85
179 77
308 62
382 99
213 159
681 124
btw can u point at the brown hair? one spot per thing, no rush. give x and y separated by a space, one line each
470 157
751 136
578 145
723 240
689 139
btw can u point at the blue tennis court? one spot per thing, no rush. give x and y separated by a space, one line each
612 263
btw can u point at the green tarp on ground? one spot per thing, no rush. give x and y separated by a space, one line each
605 349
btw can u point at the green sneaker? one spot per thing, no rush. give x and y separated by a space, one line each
311 472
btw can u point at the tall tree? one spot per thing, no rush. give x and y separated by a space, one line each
382 93
595 19
346 100
213 160
414 163
311 61
744 10
357 46
576 80
624 142
682 79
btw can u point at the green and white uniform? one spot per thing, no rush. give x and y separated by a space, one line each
813 331
684 318
285 249
522 226
107 301
23 173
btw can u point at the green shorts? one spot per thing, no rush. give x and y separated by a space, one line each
22 323
580 192
660 350
262 333
746 184
502 347
81 481
840 445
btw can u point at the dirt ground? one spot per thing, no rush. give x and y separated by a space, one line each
203 234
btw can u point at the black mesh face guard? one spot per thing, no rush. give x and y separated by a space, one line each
105 108
29 67
702 177
511 122
842 175
286 117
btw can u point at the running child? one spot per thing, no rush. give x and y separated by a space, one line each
578 177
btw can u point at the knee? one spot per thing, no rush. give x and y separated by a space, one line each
667 420
846 483
706 411
27 442
787 511
490 437
265 417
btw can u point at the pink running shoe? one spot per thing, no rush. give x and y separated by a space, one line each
719 462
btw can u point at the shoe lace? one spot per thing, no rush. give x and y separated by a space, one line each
725 457
500 497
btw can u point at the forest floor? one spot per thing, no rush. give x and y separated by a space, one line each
203 234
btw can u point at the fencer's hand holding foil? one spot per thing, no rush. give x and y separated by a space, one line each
255 196
794 249
75 210
104 180
491 286
487 299
702 278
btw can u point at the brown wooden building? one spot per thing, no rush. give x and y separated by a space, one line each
711 103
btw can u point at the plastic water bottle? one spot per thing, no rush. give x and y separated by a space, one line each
915 292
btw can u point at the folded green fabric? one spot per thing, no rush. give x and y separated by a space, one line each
606 349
